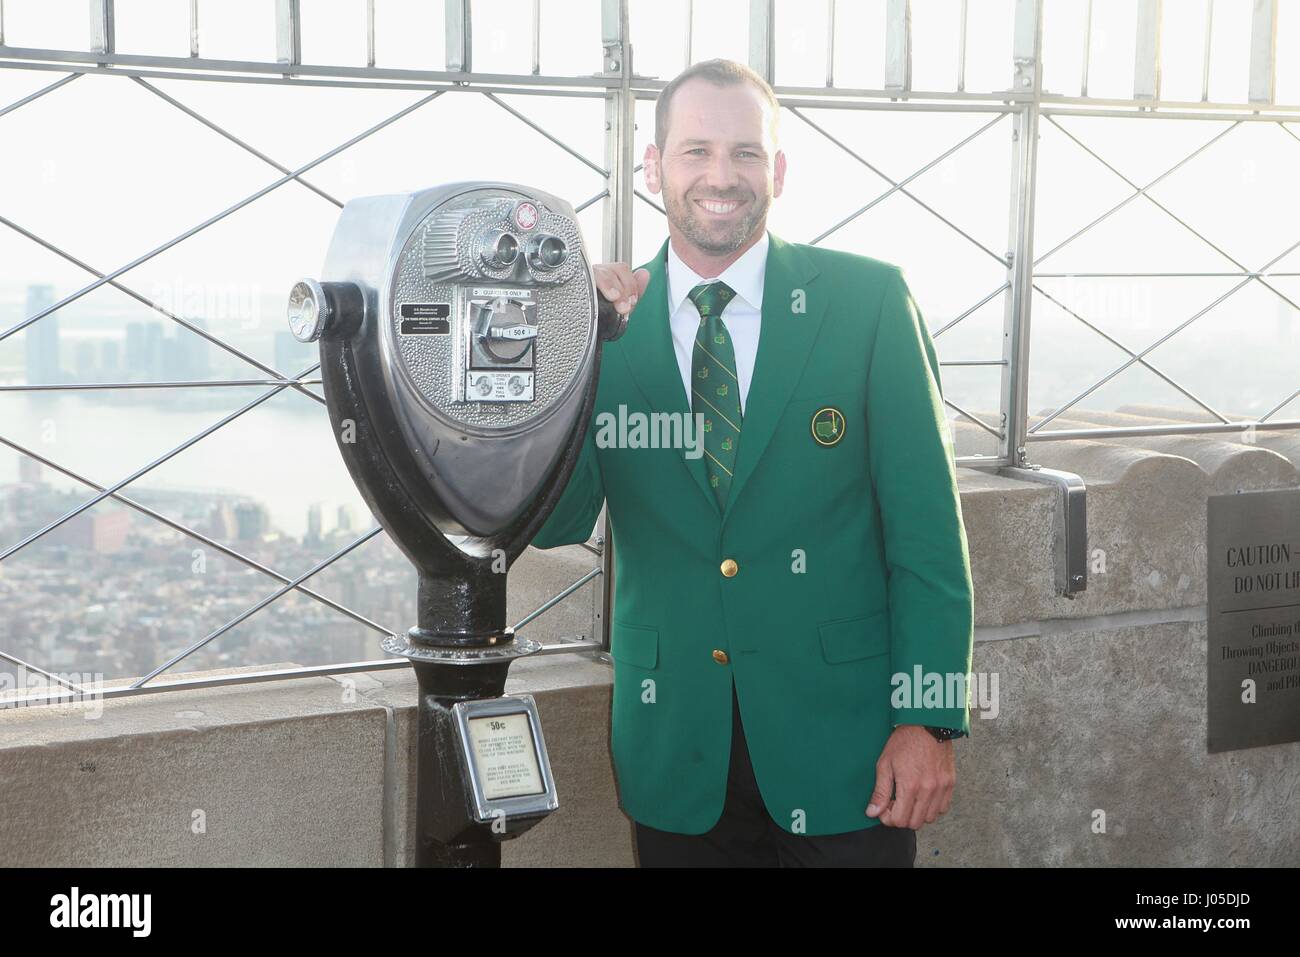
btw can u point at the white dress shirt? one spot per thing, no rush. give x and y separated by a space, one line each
742 315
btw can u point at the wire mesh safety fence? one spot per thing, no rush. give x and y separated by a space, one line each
167 494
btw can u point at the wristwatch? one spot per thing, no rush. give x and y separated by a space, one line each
944 734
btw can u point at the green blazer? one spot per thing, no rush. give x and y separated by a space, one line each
851 560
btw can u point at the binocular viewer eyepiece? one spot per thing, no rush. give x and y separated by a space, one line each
467 322
459 332
500 250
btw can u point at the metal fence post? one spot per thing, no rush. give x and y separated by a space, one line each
1027 78
620 142
762 38
288 33
459 37
1263 51
898 46
1146 65
102 27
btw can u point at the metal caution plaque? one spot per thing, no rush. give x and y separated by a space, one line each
1253 619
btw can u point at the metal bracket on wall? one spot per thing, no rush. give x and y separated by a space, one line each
1070 526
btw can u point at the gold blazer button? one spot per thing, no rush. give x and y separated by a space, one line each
720 656
729 568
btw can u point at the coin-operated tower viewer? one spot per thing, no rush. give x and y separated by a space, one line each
460 334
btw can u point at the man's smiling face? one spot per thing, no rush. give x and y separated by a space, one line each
719 169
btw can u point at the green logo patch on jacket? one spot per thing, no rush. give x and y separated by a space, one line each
828 426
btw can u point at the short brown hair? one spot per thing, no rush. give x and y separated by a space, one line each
719 72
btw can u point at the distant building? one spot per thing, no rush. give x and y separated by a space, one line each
103 532
221 522
110 351
193 353
252 521
42 338
173 361
314 522
344 519
144 355
85 361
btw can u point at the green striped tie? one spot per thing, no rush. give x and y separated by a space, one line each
715 391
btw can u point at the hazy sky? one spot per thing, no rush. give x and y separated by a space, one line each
107 170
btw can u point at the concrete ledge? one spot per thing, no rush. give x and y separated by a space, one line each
540 575
1146 516
1285 442
1009 530
315 772
285 773
573 700
1230 465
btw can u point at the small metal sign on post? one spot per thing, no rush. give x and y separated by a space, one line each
1253 619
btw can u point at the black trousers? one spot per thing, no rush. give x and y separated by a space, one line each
746 835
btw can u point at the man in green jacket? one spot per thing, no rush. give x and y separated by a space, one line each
793 612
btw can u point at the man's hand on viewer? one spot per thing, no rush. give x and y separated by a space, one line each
620 285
